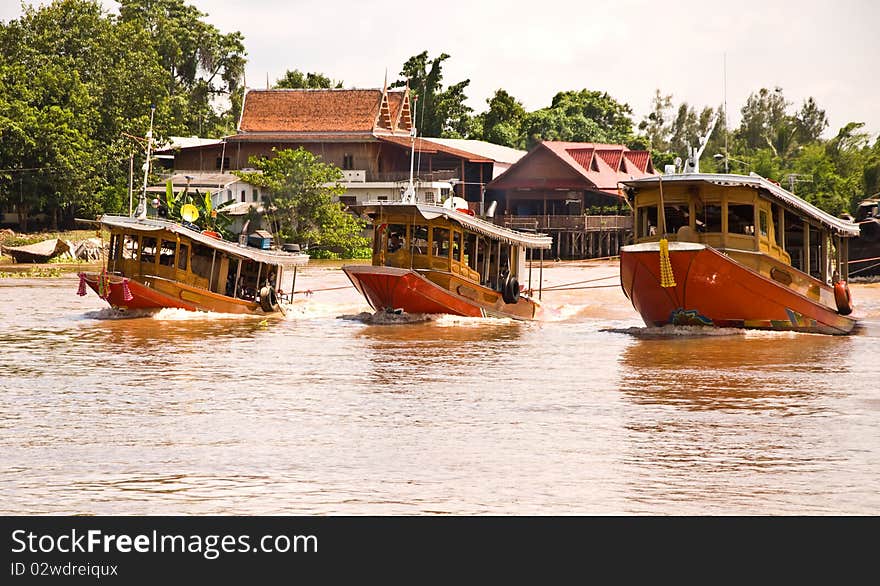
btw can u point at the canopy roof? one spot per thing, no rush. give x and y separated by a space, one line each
376 210
786 198
275 257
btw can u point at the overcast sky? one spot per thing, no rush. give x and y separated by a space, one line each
532 49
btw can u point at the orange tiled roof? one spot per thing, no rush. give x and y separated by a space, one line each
323 110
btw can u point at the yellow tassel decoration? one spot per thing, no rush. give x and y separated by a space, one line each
667 277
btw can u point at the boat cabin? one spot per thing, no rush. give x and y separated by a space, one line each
173 253
442 243
751 219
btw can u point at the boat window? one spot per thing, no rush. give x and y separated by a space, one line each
456 246
711 219
440 242
762 223
167 252
182 257
470 245
202 258
396 237
676 217
420 239
148 249
741 219
647 221
129 247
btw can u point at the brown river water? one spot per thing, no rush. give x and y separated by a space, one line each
322 412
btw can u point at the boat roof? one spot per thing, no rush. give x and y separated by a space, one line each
479 225
838 225
275 257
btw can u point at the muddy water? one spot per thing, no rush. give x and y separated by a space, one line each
321 413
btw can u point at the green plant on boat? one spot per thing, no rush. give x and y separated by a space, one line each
207 217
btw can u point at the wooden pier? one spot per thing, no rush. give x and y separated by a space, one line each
577 237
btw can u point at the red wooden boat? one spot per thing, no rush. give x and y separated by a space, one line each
433 259
156 264
735 251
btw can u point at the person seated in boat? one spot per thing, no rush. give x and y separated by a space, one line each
394 242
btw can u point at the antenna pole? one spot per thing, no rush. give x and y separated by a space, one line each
409 196
142 203
726 129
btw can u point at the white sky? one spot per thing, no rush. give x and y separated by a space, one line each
629 48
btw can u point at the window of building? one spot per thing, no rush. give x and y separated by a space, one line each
348 161
762 223
222 163
255 194
243 195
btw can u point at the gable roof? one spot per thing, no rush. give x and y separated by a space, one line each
325 110
601 166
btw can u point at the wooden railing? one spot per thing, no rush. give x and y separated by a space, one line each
569 223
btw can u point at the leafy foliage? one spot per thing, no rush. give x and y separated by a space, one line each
440 113
296 79
581 116
301 190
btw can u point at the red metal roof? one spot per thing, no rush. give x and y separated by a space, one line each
602 166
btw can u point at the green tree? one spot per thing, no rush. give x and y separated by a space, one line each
502 122
202 63
301 189
439 113
296 79
581 116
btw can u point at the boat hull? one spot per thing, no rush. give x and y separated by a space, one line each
433 292
712 289
155 293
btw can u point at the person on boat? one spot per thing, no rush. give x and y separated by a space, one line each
394 242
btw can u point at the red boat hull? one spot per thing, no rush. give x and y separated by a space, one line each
391 288
154 293
714 290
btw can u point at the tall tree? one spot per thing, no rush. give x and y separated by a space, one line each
296 79
204 65
81 82
439 113
502 122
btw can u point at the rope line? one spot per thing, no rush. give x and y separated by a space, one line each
563 285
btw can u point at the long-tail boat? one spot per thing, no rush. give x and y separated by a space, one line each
735 251
155 263
430 259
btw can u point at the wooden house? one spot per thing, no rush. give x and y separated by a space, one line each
570 190
365 132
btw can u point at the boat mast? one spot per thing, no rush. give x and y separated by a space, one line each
409 196
692 165
141 211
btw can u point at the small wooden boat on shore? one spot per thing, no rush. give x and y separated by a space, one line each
432 259
40 252
154 264
735 251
